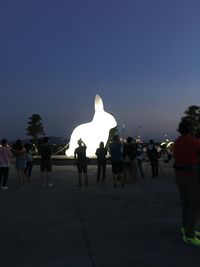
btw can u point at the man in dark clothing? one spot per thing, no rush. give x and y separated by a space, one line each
153 158
81 161
129 157
101 153
186 150
115 149
45 162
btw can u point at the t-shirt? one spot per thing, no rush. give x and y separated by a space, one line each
45 152
101 153
81 153
5 155
116 151
186 151
129 151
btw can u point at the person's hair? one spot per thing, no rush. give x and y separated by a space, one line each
4 142
18 144
151 142
129 140
79 142
101 145
28 147
45 139
184 127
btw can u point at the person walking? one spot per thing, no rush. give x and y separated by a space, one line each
186 151
45 162
101 153
80 160
5 156
115 149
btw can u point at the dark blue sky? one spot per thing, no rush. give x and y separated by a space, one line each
141 56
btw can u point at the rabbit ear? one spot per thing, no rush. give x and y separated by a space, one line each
98 103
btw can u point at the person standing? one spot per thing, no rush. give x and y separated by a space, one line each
153 158
186 151
115 149
101 153
81 161
5 156
45 162
19 152
29 161
139 159
129 156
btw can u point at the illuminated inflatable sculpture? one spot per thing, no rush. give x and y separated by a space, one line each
94 132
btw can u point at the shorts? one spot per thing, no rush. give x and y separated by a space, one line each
20 163
45 166
82 167
117 166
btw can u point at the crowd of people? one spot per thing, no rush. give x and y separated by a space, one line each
127 161
24 162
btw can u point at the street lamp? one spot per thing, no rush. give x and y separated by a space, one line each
137 136
123 132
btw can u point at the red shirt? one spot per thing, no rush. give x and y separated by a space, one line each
186 150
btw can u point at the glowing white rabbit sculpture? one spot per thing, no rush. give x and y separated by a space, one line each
94 132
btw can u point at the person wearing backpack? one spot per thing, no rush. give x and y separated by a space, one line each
45 162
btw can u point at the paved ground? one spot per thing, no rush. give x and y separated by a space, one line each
68 226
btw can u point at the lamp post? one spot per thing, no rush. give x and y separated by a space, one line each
123 132
137 136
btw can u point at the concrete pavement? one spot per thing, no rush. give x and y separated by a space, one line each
68 226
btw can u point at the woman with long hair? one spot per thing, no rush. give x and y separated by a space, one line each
19 152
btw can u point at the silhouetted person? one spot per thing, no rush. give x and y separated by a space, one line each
45 162
5 156
139 159
101 153
153 158
198 164
19 152
129 157
81 161
29 161
186 148
115 149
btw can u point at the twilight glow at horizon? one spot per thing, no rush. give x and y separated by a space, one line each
94 132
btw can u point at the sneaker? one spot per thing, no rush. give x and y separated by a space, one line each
196 233
50 184
4 187
193 241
